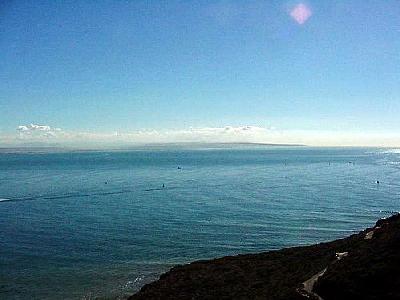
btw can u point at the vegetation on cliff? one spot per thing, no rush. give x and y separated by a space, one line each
362 266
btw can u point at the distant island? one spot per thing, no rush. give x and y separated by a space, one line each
201 145
361 266
151 146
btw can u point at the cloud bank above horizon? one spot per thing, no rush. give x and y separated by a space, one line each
45 135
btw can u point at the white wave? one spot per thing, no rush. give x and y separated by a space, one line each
4 199
391 151
133 283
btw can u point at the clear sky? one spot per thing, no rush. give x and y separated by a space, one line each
183 70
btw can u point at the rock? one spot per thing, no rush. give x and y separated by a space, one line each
370 272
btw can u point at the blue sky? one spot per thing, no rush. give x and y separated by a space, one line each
110 67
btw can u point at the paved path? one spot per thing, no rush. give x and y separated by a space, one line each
308 285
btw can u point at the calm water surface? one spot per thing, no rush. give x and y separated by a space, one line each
81 225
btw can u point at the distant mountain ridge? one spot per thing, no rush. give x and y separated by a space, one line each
186 145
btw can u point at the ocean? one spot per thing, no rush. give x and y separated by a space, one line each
101 224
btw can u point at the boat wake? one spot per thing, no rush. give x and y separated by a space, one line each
80 195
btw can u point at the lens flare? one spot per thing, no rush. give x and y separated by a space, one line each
301 13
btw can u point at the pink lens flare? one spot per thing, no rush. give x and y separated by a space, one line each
301 13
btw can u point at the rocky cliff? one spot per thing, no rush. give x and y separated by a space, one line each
362 266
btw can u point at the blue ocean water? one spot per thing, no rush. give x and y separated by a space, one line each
100 224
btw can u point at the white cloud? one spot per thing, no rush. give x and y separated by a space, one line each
34 131
45 135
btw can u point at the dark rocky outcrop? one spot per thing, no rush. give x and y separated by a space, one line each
370 270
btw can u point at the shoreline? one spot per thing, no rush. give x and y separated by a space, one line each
339 269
